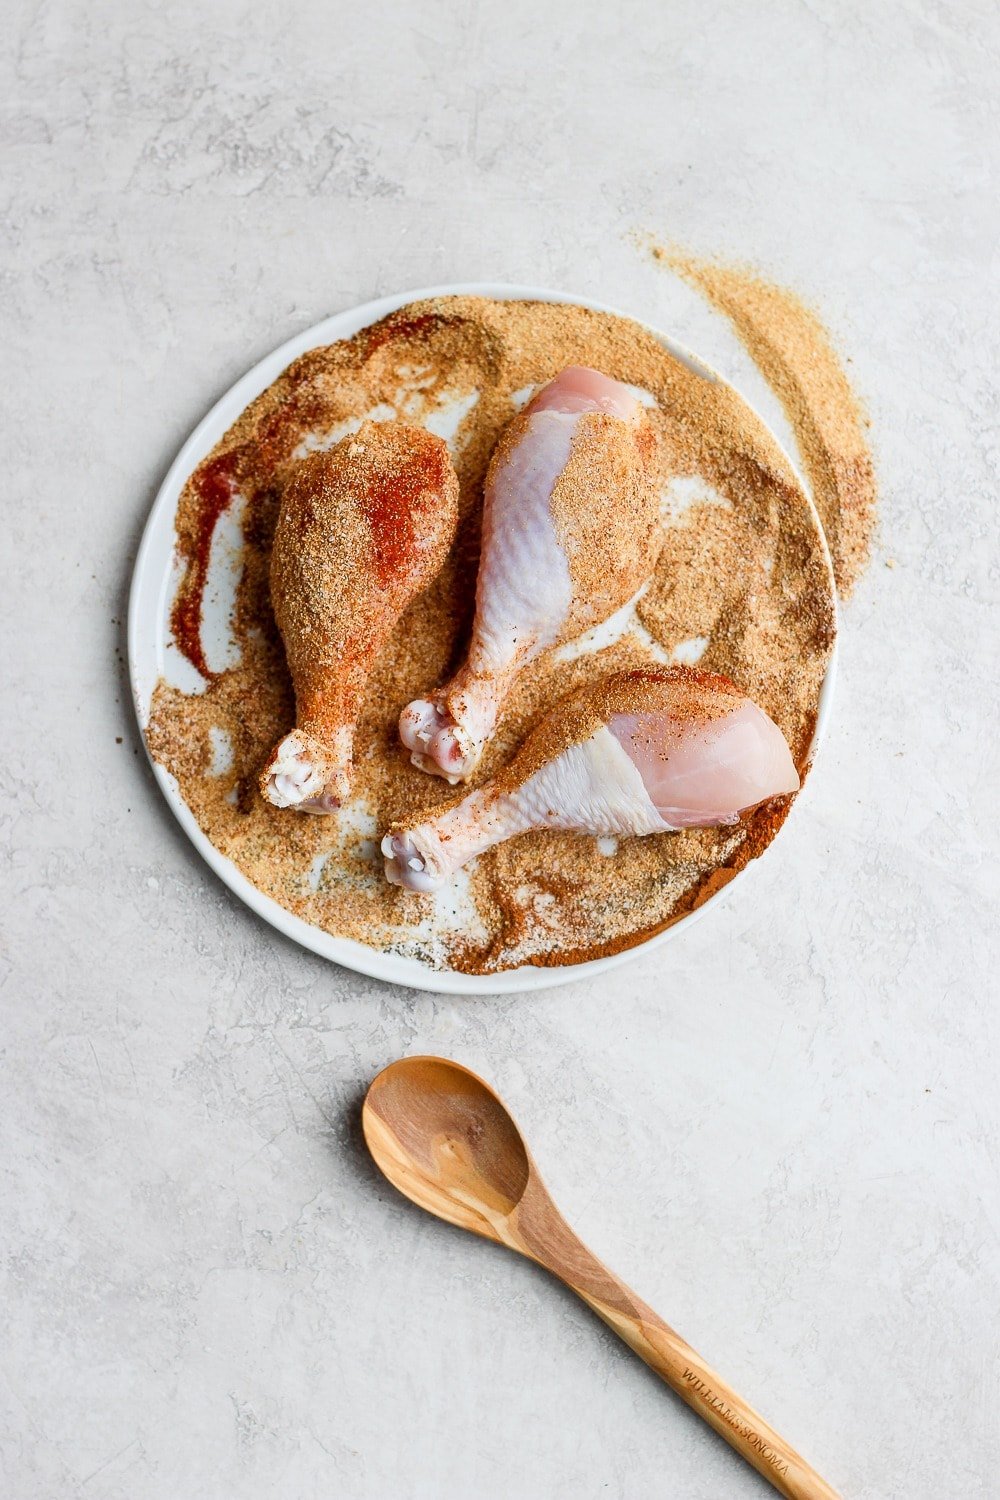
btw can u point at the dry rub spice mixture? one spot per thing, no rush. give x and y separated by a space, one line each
741 585
792 349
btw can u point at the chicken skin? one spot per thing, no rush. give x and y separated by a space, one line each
571 531
362 530
647 751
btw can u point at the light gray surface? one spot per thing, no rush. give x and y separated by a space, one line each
783 1129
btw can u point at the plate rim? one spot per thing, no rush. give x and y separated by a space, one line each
409 973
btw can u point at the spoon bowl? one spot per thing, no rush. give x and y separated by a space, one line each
443 1138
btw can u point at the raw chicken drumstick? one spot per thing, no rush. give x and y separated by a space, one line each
646 751
570 532
363 528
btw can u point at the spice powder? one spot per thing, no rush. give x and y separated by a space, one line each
795 354
742 587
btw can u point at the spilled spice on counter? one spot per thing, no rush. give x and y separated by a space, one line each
795 354
741 587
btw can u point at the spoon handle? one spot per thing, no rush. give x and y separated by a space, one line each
544 1235
706 1393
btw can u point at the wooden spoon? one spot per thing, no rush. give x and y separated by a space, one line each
444 1139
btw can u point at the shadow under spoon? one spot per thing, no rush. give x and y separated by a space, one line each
443 1138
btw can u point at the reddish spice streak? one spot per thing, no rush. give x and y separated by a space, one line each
697 679
646 443
278 434
395 328
215 487
394 512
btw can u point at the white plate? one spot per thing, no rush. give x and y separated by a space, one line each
149 643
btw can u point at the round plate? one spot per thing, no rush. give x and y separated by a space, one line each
149 642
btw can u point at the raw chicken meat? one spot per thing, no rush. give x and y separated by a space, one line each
571 531
363 529
646 751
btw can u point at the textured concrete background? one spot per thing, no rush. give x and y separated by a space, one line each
782 1129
